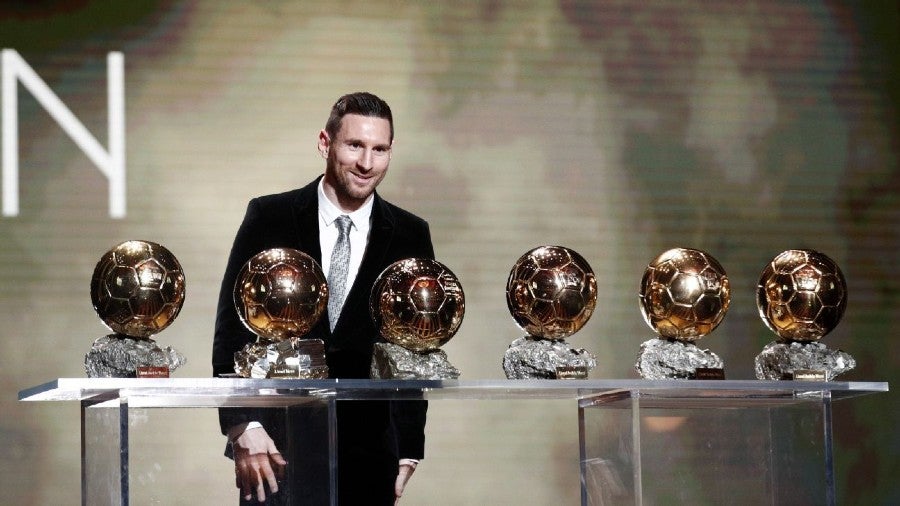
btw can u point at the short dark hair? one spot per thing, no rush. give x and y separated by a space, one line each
362 103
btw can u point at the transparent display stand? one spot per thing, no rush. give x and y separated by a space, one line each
642 442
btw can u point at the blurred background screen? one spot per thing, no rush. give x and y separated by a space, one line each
616 128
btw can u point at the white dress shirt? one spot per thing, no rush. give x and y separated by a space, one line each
328 234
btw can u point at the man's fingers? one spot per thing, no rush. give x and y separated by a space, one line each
403 475
279 464
257 464
253 472
243 480
264 474
260 491
271 475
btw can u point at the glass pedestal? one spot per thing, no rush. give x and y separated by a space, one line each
715 447
641 442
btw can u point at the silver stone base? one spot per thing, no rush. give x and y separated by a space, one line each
298 358
119 356
391 361
780 360
532 358
664 359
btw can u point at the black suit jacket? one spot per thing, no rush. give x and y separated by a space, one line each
290 220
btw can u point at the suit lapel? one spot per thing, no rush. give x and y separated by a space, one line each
306 217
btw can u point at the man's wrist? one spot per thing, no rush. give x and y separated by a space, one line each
409 462
236 430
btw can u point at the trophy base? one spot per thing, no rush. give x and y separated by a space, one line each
391 361
664 359
291 358
121 356
801 361
529 357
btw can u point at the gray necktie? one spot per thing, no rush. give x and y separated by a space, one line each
337 274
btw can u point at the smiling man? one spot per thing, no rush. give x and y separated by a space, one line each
379 442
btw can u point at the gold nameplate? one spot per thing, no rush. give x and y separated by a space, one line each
709 373
147 371
571 372
807 375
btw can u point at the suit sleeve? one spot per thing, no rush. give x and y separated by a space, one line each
230 333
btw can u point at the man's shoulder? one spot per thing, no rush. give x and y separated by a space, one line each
399 215
286 198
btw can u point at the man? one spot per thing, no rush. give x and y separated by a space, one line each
379 443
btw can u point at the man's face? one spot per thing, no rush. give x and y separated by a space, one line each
357 159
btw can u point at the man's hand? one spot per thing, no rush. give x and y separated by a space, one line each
257 462
407 468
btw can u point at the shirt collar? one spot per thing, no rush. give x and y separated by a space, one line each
330 212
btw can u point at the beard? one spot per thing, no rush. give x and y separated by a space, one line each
351 190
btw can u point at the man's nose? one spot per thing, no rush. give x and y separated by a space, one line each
366 160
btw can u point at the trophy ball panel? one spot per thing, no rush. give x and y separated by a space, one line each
171 286
778 287
148 302
685 288
804 306
119 312
281 307
829 317
138 288
801 295
551 257
426 294
123 282
662 273
569 304
707 307
133 252
831 290
280 293
691 261
545 285
166 314
788 261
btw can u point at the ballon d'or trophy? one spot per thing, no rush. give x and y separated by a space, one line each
801 296
684 296
137 290
551 293
417 305
280 294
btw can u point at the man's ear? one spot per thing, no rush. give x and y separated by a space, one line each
324 143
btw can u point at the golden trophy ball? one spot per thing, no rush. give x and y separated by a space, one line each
801 297
417 305
280 294
684 295
551 293
137 290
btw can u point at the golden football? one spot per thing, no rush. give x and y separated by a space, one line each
137 288
801 295
551 292
280 293
684 294
417 303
